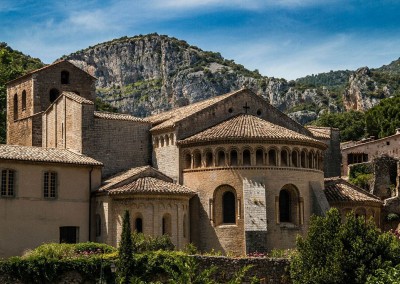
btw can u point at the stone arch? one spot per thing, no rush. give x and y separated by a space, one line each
225 209
64 77
188 160
209 158
311 159
54 94
233 157
246 157
138 222
260 157
295 157
272 156
289 205
285 157
221 160
197 159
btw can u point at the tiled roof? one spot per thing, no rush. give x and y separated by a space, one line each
339 190
245 127
77 98
120 177
151 185
320 132
169 118
49 155
117 116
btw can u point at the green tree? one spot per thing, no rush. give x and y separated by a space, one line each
125 255
343 252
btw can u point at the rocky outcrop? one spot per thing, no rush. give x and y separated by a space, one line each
144 75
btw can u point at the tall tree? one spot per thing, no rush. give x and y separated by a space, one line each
125 256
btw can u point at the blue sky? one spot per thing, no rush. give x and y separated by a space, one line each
280 38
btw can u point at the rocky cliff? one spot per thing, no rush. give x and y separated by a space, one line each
147 74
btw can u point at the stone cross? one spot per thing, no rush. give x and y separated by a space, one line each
246 107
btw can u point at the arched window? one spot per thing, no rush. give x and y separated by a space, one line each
64 77
228 207
361 212
166 224
161 141
272 157
7 183
234 158
295 155
284 158
166 140
221 159
15 106
246 158
284 206
54 93
139 225
310 159
197 160
259 157
156 142
50 185
209 159
98 225
23 103
303 159
188 161
171 136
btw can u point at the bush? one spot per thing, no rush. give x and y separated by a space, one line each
348 252
143 243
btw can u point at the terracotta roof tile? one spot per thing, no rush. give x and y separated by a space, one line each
245 127
339 190
122 176
49 155
169 118
151 185
117 116
77 98
320 132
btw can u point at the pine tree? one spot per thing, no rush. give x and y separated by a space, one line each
125 256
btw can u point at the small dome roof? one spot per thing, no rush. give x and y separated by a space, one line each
248 127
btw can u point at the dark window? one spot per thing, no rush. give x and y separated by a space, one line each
64 77
209 159
188 161
50 184
221 159
184 226
246 158
284 206
15 106
259 112
259 157
69 234
303 159
166 225
234 158
98 225
294 159
197 160
23 104
272 157
139 225
7 183
228 207
387 142
284 158
54 93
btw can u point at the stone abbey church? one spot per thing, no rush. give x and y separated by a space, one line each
231 173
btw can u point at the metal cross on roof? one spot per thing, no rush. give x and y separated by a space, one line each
246 107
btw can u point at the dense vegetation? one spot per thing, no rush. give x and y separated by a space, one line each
380 121
353 251
13 64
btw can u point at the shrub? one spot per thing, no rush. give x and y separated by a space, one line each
142 243
348 252
125 256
